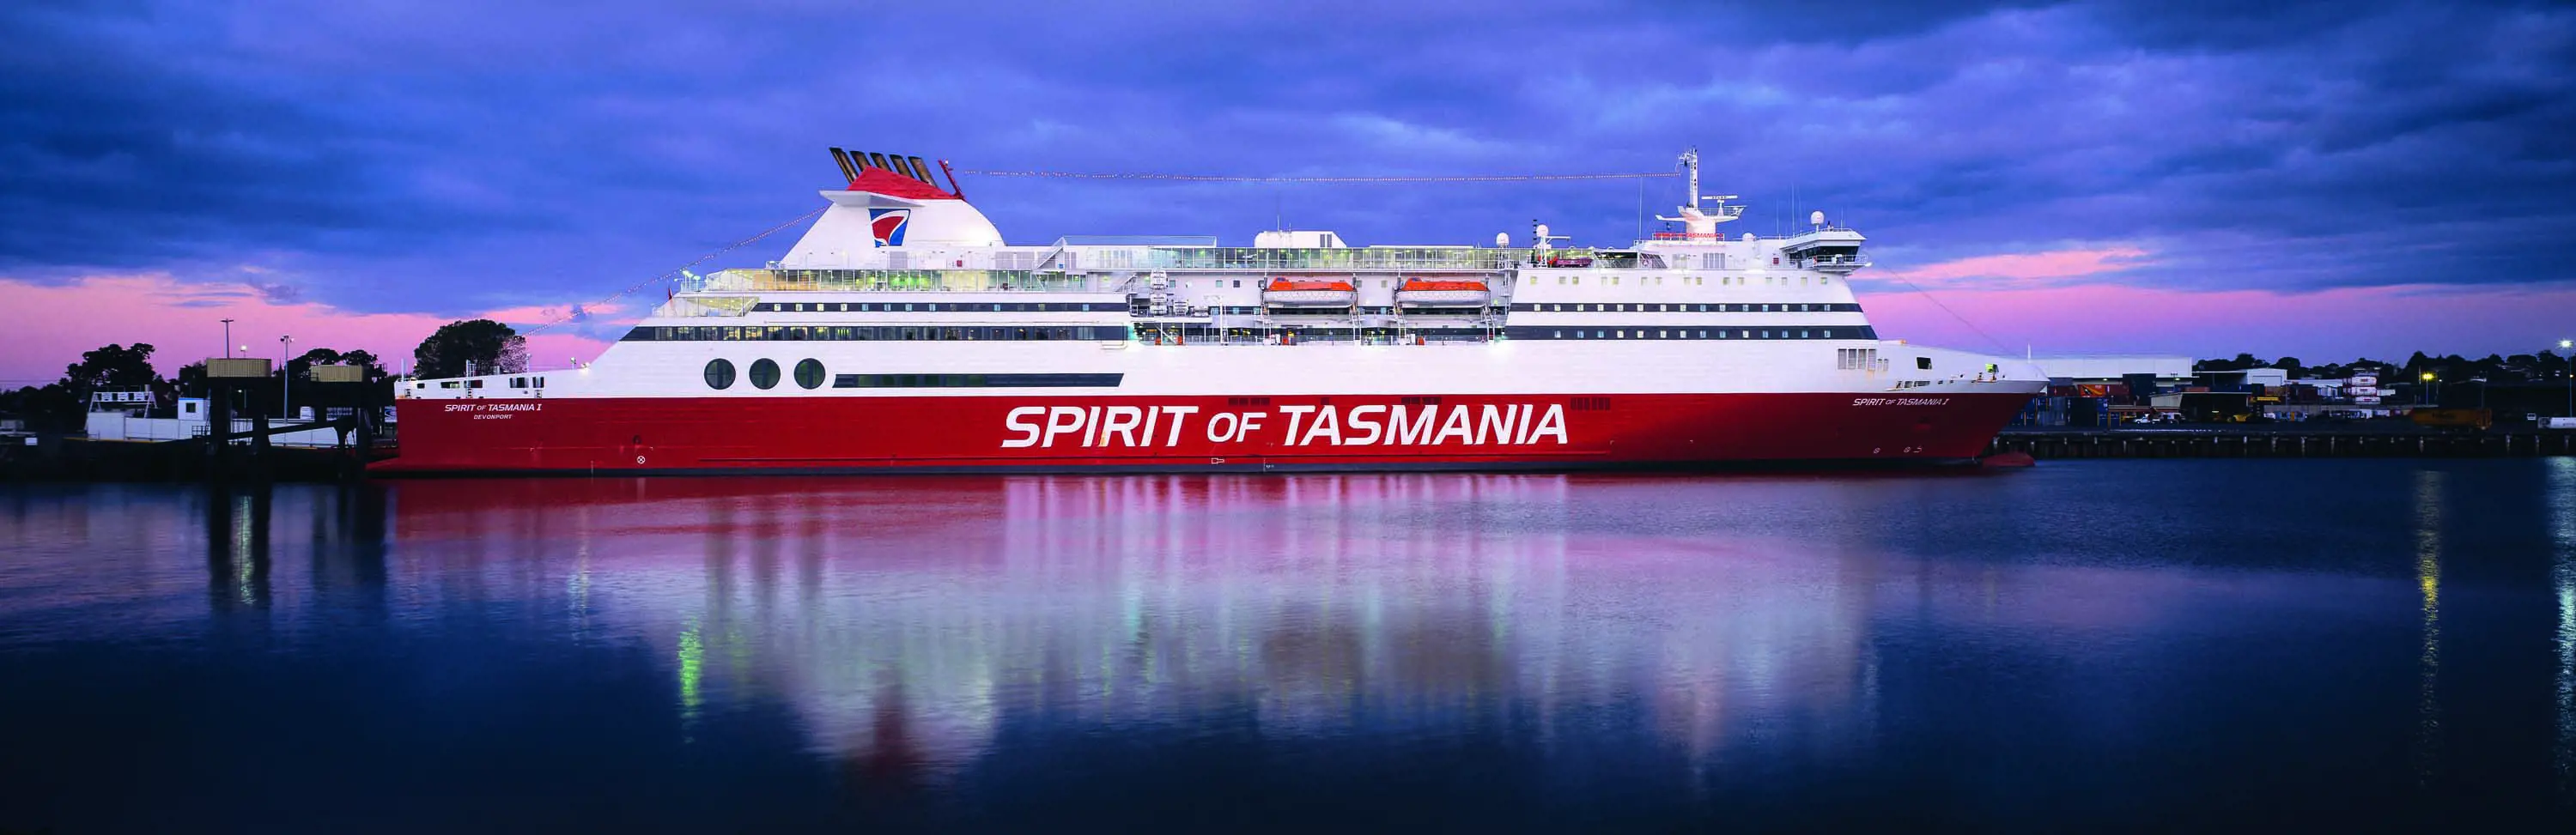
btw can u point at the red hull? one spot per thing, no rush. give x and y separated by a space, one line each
843 434
1014 433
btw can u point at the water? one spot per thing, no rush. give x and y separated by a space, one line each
2321 644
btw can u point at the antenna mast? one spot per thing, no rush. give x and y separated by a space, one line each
1690 160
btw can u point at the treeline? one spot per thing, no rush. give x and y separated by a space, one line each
2544 366
486 346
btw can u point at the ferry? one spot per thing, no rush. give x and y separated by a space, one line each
901 333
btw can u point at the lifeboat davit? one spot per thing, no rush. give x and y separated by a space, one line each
1285 293
1419 293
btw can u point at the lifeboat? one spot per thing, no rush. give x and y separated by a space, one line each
1418 293
1285 293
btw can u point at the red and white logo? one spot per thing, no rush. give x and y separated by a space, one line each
888 225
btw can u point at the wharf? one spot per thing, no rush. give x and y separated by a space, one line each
73 458
2281 441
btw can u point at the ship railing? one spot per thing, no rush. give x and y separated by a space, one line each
1402 341
706 306
1328 260
1833 261
931 280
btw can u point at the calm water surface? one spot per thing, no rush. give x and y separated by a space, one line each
2097 645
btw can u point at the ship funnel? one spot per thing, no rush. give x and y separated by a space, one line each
921 172
879 160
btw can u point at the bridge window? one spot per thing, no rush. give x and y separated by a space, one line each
764 373
719 374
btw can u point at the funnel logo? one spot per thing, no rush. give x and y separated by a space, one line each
888 225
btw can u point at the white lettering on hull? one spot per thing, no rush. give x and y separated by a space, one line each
1098 427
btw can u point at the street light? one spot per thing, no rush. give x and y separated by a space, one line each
228 339
284 380
2428 397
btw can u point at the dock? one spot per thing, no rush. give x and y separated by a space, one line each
2281 441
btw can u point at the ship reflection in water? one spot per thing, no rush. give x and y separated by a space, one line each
2140 641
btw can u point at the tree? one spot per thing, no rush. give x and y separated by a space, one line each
114 366
2240 363
492 347
191 379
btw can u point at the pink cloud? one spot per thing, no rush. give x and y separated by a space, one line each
183 322
2022 268
2381 322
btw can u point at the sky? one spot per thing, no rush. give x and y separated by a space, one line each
2325 180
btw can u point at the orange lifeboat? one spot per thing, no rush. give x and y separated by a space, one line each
1285 293
1421 293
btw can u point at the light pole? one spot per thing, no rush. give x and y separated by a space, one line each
2567 369
228 339
284 380
2428 397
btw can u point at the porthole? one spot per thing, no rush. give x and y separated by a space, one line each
809 373
764 373
719 374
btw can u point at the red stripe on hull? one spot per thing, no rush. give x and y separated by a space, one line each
855 433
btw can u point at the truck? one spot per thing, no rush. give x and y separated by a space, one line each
2460 420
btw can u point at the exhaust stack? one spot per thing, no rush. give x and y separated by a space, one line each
849 173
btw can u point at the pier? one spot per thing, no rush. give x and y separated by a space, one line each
2280 442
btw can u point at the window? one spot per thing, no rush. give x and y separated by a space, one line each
764 373
1924 363
809 373
719 374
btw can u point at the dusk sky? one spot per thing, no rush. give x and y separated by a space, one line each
2319 179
